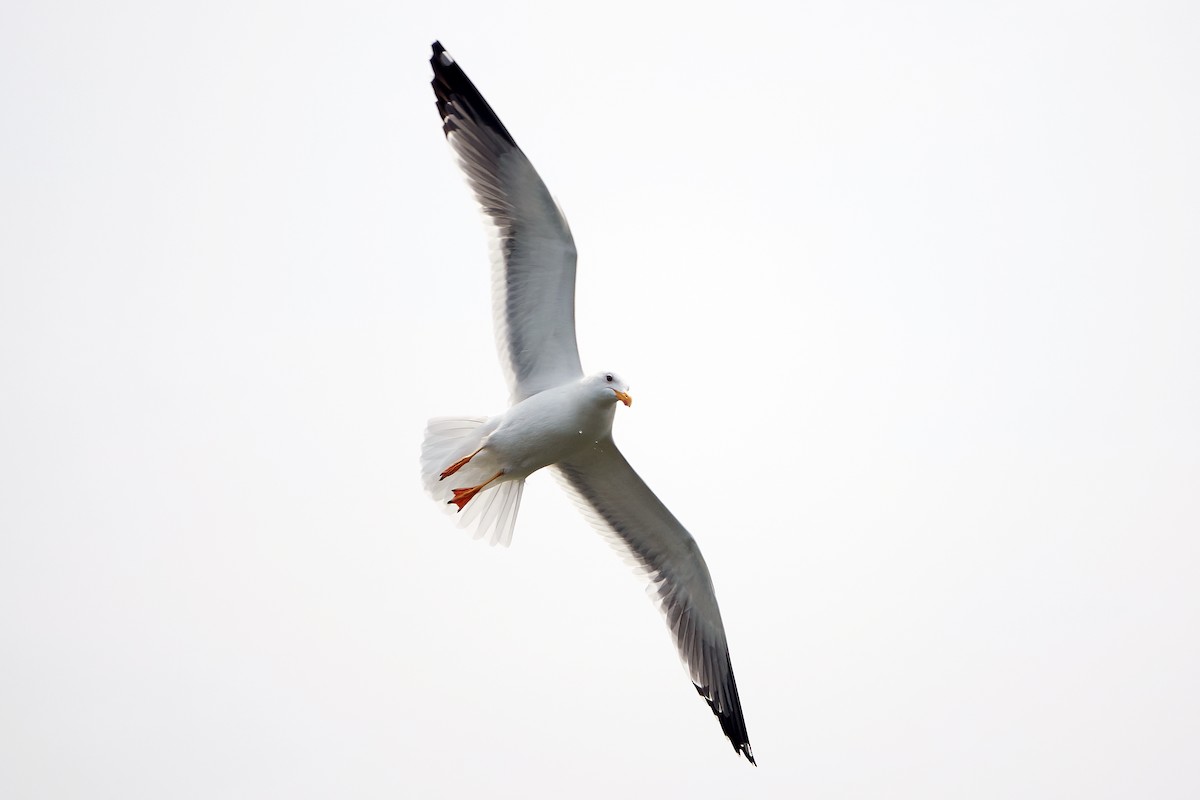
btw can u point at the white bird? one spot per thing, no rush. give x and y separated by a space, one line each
560 418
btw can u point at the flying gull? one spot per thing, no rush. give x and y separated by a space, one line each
559 418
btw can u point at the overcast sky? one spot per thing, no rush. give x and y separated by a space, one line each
907 295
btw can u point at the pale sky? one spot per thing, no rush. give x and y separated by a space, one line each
907 295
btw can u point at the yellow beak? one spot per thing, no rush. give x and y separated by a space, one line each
624 398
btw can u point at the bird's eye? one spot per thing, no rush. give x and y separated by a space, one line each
608 378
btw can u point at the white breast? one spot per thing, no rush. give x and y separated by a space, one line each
548 428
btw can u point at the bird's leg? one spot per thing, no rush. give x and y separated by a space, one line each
457 465
463 496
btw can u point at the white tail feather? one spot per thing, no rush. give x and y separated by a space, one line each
493 512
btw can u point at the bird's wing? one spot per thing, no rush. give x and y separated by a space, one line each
626 512
533 254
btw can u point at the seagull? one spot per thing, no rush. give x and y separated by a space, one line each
559 418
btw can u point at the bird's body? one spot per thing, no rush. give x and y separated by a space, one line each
552 425
476 467
547 428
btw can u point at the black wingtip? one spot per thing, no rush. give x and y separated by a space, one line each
457 96
732 723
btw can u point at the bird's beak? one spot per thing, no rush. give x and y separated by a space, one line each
624 398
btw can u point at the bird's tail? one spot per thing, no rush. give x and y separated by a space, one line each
493 511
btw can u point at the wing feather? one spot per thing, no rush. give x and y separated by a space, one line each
533 252
634 520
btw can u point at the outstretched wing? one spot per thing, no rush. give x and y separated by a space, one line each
626 512
533 254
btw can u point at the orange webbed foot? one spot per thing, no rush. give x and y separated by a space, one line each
457 465
464 496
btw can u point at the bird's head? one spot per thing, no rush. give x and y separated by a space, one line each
609 387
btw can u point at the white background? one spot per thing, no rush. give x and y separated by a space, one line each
907 295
